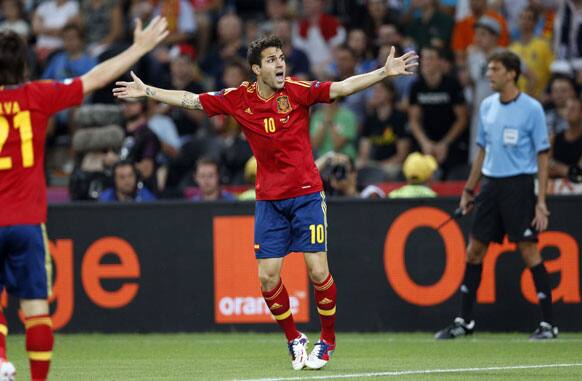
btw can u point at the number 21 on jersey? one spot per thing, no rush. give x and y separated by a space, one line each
21 122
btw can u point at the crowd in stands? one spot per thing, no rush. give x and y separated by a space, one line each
142 150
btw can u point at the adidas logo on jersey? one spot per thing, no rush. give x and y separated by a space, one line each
275 306
249 111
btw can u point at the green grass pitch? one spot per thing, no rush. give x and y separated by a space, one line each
252 356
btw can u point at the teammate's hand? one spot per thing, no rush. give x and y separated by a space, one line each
540 221
153 34
135 89
400 65
467 203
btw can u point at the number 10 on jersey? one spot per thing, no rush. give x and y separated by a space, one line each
269 125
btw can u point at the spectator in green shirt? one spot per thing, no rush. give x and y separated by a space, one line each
334 128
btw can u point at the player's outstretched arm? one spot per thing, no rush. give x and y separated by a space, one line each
144 40
394 66
138 89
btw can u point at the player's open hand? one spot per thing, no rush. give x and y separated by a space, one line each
402 65
135 89
540 221
152 35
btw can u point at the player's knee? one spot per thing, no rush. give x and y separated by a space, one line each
318 274
475 252
269 280
530 253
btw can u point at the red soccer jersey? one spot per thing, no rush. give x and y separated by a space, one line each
24 111
277 130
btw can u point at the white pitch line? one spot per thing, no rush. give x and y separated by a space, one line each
412 372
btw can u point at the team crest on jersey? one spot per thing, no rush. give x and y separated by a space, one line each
283 105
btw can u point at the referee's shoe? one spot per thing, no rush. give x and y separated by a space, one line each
544 331
458 328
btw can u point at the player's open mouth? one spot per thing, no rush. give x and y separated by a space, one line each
280 76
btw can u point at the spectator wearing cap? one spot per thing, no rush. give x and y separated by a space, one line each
464 31
487 31
535 53
418 169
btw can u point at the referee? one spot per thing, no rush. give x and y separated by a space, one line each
512 146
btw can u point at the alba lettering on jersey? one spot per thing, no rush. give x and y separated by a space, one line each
9 108
566 263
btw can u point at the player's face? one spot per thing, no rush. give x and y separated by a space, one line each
498 75
272 70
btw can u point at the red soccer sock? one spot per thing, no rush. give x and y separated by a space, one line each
325 297
39 345
3 334
278 302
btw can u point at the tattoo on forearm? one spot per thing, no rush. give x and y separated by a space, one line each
191 101
150 92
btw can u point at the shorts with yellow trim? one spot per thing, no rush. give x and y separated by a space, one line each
25 265
297 224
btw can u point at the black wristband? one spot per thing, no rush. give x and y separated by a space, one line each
471 192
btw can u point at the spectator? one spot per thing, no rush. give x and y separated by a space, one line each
275 10
464 31
339 175
334 128
181 19
438 115
378 14
297 63
358 43
230 46
207 178
562 88
567 144
103 22
47 23
535 53
384 142
141 145
431 27
344 67
14 19
317 34
126 185
74 60
487 31
567 30
418 170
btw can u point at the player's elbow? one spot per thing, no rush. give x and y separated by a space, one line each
91 82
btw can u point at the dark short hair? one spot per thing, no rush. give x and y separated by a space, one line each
207 160
124 163
76 28
257 46
440 52
13 56
509 60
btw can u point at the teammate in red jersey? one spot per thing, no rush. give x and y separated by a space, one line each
290 214
24 110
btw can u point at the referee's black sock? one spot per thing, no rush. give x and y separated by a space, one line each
469 288
542 282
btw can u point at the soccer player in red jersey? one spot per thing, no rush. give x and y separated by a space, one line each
24 110
290 213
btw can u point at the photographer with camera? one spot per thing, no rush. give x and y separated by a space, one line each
338 173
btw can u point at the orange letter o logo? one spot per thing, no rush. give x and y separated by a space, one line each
394 251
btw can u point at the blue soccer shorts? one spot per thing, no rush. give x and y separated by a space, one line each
297 224
25 263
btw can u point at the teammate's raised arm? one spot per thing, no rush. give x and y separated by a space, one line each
144 40
394 66
138 89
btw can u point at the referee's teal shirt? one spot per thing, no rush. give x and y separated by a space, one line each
512 134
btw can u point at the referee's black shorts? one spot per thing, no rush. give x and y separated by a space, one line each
505 206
